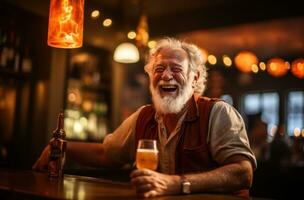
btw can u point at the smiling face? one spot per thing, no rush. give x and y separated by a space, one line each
170 71
171 81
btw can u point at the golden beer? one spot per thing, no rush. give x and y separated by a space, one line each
147 158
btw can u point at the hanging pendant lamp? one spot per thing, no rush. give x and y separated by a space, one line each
66 23
126 53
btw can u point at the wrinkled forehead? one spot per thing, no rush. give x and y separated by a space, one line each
171 54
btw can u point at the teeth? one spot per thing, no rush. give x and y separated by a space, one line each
168 86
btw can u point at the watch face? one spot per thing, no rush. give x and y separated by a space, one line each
186 187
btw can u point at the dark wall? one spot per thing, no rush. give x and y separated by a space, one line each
28 130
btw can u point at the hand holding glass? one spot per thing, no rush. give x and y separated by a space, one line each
147 154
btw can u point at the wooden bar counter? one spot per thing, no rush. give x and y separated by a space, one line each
19 184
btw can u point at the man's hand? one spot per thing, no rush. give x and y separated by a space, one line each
149 183
43 160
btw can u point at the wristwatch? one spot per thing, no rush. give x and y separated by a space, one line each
185 185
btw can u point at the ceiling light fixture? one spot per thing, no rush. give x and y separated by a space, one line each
244 61
126 53
277 67
297 68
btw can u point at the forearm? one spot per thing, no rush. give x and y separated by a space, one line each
228 178
89 154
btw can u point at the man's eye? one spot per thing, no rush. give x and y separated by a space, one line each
159 69
176 69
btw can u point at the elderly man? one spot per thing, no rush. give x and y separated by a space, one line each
203 145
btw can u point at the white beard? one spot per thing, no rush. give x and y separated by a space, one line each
169 104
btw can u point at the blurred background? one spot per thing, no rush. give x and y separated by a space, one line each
254 52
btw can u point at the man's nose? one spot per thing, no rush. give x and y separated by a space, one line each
167 74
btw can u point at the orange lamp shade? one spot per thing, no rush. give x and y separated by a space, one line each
66 23
297 68
277 67
244 61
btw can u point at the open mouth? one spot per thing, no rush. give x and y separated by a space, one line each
168 88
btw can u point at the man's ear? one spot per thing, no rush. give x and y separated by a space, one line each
195 79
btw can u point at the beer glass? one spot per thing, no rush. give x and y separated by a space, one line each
147 154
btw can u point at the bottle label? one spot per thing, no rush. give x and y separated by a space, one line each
55 165
58 149
55 153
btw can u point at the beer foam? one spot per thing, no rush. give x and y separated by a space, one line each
147 150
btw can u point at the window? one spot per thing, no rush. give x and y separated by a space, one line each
227 98
265 103
295 112
252 104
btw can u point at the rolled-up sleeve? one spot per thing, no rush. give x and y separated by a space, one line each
120 145
227 134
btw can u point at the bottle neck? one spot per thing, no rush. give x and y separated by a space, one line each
59 132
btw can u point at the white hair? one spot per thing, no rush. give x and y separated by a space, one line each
196 61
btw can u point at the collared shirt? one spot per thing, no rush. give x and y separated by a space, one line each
168 143
226 137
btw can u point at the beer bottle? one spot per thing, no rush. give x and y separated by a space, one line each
58 149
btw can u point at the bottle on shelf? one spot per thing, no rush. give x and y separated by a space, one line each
26 63
58 150
4 49
17 55
1 43
11 50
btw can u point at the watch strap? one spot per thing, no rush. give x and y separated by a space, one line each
185 185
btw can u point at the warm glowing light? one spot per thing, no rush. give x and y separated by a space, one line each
152 44
87 105
40 88
244 61
73 114
68 125
142 36
126 53
95 14
262 66
212 59
92 123
66 23
132 35
277 67
302 133
69 189
81 57
254 68
8 103
297 68
83 121
107 22
296 132
227 61
78 128
81 195
72 97
205 54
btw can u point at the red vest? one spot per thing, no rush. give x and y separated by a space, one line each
192 153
